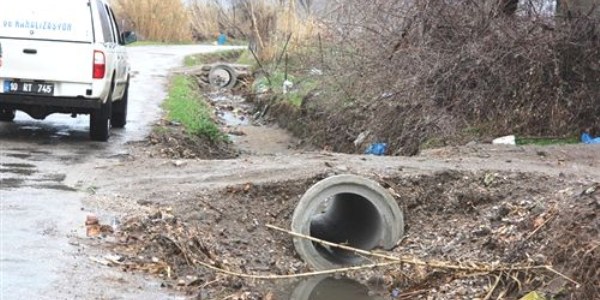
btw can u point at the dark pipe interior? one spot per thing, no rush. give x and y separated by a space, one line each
350 219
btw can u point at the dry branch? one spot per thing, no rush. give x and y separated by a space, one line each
470 267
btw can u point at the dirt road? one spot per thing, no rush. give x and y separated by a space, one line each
52 177
43 255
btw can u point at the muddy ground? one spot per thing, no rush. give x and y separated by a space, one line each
510 205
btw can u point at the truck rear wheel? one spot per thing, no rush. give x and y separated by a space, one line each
118 119
99 122
7 115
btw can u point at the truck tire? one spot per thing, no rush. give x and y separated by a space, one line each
118 118
100 122
7 115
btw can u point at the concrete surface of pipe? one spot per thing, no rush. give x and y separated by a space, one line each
345 209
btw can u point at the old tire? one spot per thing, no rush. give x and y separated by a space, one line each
7 115
215 80
118 118
360 213
100 122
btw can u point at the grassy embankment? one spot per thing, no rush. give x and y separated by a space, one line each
185 103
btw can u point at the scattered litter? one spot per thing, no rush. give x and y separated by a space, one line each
315 71
587 138
101 261
93 228
361 138
377 149
287 86
533 296
505 140
221 39
178 163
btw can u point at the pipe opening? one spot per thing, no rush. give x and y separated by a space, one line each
345 209
348 219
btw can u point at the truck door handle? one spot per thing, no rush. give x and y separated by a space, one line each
30 51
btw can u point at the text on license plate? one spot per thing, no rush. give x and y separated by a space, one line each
36 88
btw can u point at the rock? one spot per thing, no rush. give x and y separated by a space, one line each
376 281
361 138
341 168
538 209
179 163
482 231
91 220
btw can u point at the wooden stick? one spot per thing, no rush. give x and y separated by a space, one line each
493 288
540 227
299 275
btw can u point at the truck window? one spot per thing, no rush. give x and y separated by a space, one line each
107 30
60 20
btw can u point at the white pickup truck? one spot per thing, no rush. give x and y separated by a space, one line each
64 56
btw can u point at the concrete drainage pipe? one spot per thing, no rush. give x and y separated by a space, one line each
345 209
222 76
326 288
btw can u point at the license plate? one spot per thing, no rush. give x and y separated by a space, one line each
32 88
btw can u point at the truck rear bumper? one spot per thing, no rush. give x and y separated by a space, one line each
17 101
39 107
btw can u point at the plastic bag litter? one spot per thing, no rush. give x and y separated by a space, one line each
376 149
587 138
505 140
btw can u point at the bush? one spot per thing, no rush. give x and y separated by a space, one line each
409 72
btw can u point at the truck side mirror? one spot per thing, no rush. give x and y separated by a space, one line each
128 37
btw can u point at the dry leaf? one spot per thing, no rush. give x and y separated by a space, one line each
533 296
539 221
270 296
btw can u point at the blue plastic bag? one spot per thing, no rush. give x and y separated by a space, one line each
222 39
586 138
376 149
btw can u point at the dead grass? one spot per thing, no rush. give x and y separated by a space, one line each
265 24
155 20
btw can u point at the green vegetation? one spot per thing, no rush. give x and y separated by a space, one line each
544 141
184 106
300 89
246 58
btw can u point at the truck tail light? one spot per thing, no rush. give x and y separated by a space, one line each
99 65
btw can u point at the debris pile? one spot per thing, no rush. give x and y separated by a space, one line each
469 235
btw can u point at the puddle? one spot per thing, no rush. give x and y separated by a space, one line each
56 187
230 118
19 171
325 288
10 183
19 155
235 115
14 165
